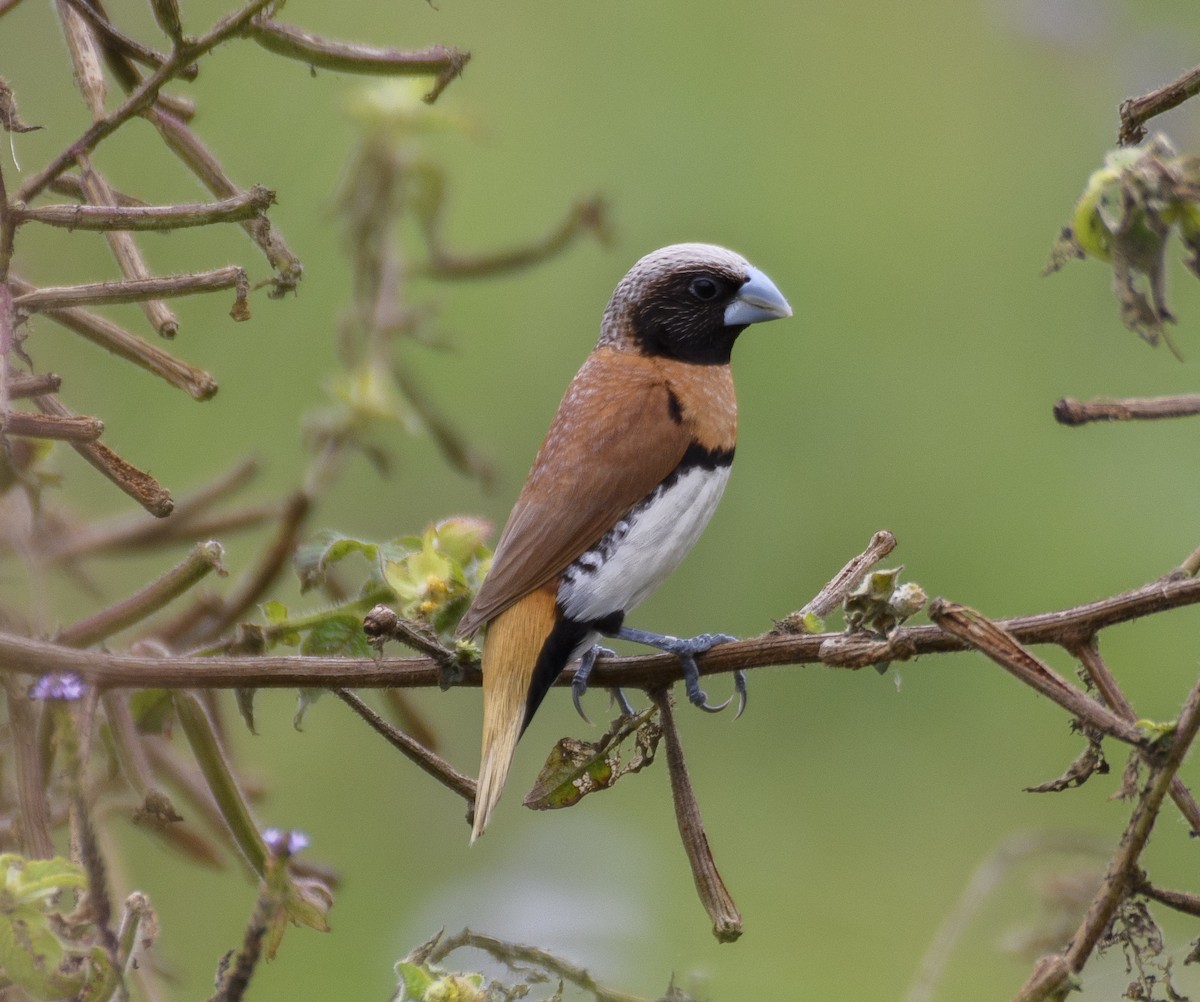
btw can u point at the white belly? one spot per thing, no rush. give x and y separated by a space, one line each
641 550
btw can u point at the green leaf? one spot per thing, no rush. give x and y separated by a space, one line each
339 635
414 981
102 977
32 956
327 547
30 881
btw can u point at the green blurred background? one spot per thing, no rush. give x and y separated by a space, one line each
900 171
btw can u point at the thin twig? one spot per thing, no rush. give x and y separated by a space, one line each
111 337
354 57
586 217
130 532
33 386
89 76
382 623
1073 412
515 955
726 919
202 561
186 145
131 290
1135 112
998 644
1088 654
128 47
270 565
141 98
138 484
836 589
75 428
72 186
1051 977
236 208
1181 901
426 760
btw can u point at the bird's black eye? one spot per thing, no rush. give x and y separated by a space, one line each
704 289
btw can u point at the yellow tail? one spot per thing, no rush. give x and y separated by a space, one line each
510 651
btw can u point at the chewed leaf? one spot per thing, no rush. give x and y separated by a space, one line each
1125 218
576 768
325 548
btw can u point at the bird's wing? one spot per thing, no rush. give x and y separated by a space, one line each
617 435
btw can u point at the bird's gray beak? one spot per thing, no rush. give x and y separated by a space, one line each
757 300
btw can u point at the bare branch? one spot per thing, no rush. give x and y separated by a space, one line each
202 561
353 57
33 386
124 45
586 217
991 639
649 671
835 591
139 485
1120 879
726 919
186 145
73 428
1076 412
108 335
422 757
132 290
244 205
141 98
130 532
1135 112
1088 653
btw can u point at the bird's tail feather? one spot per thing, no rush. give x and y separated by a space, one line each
514 641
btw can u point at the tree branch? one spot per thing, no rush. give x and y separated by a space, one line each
1135 112
1073 412
244 205
836 650
1052 976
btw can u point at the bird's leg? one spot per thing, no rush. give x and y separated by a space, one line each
579 683
686 650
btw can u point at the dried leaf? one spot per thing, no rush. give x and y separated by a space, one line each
1090 762
9 118
576 768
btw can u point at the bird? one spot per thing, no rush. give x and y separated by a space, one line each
629 474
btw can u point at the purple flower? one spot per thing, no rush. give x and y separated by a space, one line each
285 843
58 685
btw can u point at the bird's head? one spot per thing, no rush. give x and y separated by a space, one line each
689 302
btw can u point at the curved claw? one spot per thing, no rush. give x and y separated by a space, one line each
708 708
579 683
739 686
577 692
